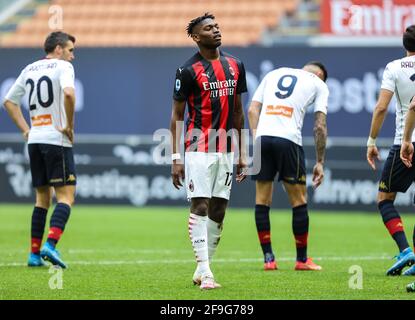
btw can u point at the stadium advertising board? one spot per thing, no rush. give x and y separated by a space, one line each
126 174
129 90
366 17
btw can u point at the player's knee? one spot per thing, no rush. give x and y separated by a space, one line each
200 207
382 196
298 200
264 198
42 203
69 200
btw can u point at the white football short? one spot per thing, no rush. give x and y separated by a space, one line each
208 174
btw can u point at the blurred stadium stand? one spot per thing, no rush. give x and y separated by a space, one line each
155 22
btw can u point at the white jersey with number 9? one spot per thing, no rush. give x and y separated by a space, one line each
285 94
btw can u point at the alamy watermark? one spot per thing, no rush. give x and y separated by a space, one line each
55 21
356 280
56 279
212 141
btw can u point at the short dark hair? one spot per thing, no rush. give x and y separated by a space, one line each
198 20
409 38
57 38
321 66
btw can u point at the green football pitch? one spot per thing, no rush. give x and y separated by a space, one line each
116 252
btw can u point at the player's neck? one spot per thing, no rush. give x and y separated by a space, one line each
210 54
410 54
51 56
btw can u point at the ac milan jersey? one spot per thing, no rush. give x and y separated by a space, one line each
44 81
210 89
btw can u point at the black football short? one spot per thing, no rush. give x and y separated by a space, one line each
51 165
396 177
282 156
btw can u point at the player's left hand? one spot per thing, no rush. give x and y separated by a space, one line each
26 135
318 175
67 131
407 152
241 170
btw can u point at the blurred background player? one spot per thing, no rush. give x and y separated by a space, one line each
398 77
50 84
211 83
276 116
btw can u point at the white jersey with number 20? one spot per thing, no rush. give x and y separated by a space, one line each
44 81
285 94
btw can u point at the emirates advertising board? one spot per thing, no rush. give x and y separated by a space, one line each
383 18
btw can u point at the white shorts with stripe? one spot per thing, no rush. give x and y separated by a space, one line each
208 174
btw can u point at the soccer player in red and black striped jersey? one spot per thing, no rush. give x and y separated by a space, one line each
211 83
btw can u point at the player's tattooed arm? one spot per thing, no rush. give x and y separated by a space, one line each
177 117
320 136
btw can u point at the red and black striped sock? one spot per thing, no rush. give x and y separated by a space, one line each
393 223
300 230
58 221
263 227
38 228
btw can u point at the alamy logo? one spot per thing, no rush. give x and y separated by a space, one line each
356 279
56 280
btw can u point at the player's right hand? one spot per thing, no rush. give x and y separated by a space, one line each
407 152
372 155
177 175
318 175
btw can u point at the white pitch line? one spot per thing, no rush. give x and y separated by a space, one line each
184 261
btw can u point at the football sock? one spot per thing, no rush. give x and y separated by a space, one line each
393 223
198 237
263 227
58 221
300 230
38 228
214 231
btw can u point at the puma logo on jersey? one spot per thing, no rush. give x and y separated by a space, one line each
206 75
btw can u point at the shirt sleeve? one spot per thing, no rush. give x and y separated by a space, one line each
388 80
67 76
241 87
17 91
182 85
259 93
322 98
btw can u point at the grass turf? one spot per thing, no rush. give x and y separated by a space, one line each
116 252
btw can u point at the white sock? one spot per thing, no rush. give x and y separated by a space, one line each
198 237
214 231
